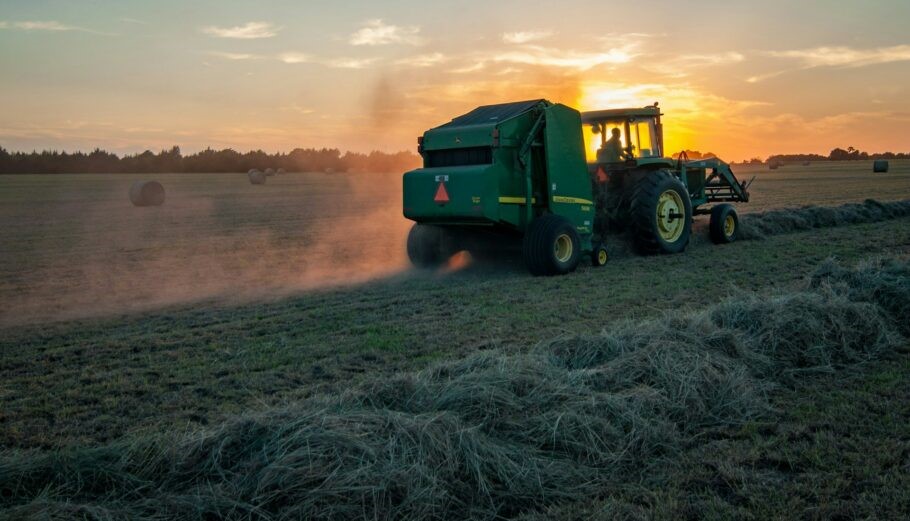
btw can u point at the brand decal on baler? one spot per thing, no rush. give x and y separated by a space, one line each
570 200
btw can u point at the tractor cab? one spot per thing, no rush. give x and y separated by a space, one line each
639 134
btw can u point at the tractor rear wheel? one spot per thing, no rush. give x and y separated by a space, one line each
429 246
724 224
660 214
551 246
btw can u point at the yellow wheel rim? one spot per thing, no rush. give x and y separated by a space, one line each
671 216
563 248
602 257
729 226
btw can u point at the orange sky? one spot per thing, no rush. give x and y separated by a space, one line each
734 78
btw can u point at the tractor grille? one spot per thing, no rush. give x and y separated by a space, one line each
459 157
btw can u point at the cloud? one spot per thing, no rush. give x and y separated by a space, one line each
295 57
846 56
377 32
579 60
680 66
762 77
348 63
236 56
424 60
469 68
46 26
711 59
298 109
521 37
248 31
839 57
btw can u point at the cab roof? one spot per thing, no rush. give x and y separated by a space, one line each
601 115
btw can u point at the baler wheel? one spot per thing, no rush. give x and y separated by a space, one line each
660 214
551 246
599 256
724 225
429 246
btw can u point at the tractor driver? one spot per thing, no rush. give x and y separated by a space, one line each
611 150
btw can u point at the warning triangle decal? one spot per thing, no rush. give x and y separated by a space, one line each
442 196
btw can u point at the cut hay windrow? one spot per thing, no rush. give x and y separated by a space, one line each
489 436
789 220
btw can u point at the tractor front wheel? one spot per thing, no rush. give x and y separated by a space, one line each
429 246
660 214
551 246
724 225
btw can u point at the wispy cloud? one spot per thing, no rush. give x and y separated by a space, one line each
681 66
838 57
295 57
49 25
377 32
762 77
423 60
469 68
520 37
711 59
247 31
298 109
571 59
236 56
348 63
846 56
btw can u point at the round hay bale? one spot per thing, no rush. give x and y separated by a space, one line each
147 193
807 163
269 172
280 171
880 166
251 171
257 177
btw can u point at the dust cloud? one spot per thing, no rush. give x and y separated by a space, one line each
84 251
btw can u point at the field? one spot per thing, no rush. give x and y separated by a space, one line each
121 323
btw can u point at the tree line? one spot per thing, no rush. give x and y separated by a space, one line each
838 154
205 161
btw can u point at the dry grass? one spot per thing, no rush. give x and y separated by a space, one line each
488 436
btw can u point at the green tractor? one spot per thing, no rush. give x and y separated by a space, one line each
558 181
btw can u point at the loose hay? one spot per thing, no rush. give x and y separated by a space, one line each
489 436
147 193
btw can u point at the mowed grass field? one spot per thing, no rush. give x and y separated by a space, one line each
232 298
